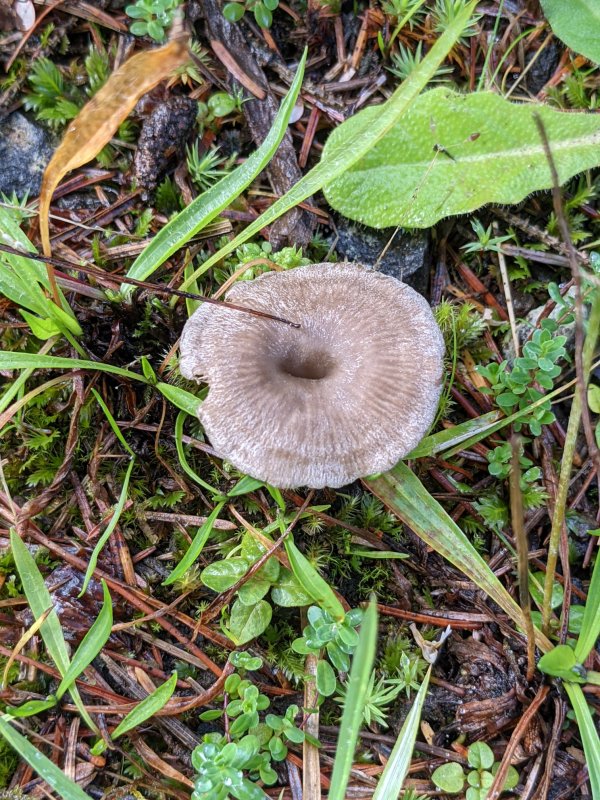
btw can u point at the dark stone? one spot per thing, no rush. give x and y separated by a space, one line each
25 149
163 135
408 258
544 67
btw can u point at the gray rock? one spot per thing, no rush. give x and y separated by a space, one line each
408 258
25 149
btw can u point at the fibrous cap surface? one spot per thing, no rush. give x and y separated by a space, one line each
346 395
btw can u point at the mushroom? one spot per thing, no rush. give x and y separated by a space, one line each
345 395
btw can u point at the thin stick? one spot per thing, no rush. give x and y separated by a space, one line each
508 296
98 273
516 510
583 359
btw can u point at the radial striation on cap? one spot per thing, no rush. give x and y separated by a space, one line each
347 394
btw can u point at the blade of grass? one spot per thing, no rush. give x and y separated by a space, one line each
312 583
142 711
184 401
182 457
113 423
49 772
20 382
354 148
39 600
91 644
590 624
195 547
206 207
396 769
588 733
566 464
404 494
10 360
118 510
360 672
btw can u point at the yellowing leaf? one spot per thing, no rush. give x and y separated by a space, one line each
98 120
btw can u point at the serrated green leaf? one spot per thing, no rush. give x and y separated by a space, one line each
452 153
576 23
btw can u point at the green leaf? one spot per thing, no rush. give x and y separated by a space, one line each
589 735
46 769
147 707
10 360
326 681
356 695
449 777
288 592
91 645
244 486
396 769
112 422
186 401
233 12
455 436
118 510
182 457
195 548
480 755
355 147
561 662
590 626
41 328
576 23
248 622
206 207
253 590
222 575
40 600
404 494
594 398
312 583
32 707
491 153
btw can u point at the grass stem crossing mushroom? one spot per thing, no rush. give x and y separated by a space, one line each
346 395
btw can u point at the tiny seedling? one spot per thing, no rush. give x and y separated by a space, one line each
451 777
262 10
152 17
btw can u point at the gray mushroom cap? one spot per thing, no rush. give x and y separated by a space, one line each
346 395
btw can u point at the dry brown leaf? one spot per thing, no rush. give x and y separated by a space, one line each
98 120
156 762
